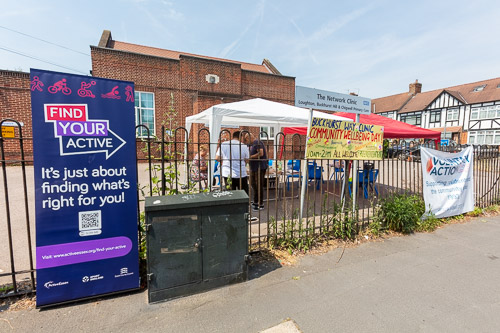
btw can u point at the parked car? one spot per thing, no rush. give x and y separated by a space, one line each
403 152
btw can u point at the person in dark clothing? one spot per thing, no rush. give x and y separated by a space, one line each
258 165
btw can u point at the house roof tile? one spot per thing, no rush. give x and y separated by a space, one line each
464 93
390 103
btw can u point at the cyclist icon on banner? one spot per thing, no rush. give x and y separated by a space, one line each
60 86
84 90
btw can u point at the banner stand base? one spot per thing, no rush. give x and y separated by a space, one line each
78 300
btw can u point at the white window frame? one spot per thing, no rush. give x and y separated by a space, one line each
152 131
479 88
452 114
270 132
474 113
483 112
479 137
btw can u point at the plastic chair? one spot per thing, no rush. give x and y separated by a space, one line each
362 178
338 167
216 173
315 172
294 167
366 177
372 181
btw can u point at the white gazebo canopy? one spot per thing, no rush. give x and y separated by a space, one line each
254 112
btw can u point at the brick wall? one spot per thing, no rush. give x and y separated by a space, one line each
180 84
272 87
15 104
183 83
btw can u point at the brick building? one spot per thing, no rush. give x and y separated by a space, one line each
15 104
187 82
164 80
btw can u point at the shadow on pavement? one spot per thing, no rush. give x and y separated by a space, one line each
262 262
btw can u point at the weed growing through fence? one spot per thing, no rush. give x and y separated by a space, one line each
492 209
292 234
400 212
169 173
476 212
375 228
428 223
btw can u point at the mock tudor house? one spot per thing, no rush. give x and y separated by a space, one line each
187 82
467 113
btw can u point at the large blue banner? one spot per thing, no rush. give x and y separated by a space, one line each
85 186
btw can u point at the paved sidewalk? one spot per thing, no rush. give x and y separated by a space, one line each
446 281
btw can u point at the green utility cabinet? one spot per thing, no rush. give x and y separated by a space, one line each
195 242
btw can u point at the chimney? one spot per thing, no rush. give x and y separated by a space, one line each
415 88
105 39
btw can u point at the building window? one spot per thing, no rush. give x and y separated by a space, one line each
485 112
452 114
492 112
474 113
480 88
484 137
412 119
435 117
267 133
145 113
447 135
390 114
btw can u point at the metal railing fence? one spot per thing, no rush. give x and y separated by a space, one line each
165 166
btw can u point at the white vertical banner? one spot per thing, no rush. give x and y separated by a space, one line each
448 181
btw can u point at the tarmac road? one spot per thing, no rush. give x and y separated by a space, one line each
446 281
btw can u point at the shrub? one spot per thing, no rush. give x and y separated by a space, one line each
429 223
400 212
375 228
476 212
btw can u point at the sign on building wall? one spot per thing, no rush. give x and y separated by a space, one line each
85 180
342 140
448 181
8 132
331 101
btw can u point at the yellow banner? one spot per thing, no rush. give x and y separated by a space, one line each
342 140
8 132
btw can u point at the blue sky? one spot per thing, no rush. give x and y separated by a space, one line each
374 48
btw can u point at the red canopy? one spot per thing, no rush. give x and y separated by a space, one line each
393 129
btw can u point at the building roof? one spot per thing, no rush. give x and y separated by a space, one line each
421 101
107 41
490 92
457 95
390 103
465 93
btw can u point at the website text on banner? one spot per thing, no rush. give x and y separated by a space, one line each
448 181
341 140
85 176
